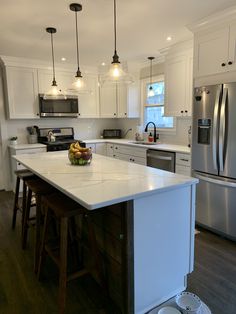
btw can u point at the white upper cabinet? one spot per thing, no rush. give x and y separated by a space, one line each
178 84
215 47
22 93
120 101
211 52
89 102
232 48
108 101
63 79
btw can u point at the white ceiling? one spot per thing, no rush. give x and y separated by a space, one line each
143 26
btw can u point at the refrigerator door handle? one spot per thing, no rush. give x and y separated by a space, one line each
215 125
224 183
222 129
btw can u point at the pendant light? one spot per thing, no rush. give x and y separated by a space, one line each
54 92
116 74
150 90
78 86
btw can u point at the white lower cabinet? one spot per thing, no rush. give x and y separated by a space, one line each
98 148
127 153
92 146
101 149
183 164
15 165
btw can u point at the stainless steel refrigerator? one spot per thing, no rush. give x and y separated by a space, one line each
214 157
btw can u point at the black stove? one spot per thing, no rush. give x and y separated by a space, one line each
57 138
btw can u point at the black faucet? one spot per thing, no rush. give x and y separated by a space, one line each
155 129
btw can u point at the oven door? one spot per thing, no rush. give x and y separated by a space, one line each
67 108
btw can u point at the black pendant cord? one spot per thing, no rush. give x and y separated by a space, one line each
54 83
115 57
78 73
151 74
115 24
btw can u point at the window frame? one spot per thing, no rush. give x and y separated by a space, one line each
144 82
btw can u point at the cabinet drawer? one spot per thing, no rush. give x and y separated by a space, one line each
128 150
183 170
183 159
31 151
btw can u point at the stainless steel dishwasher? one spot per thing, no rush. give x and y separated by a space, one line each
161 160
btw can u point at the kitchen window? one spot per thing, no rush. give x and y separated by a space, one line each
154 105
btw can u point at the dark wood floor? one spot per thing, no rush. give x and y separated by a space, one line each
214 277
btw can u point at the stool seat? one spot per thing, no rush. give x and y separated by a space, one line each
24 173
63 206
39 186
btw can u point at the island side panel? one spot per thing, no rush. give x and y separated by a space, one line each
113 227
163 246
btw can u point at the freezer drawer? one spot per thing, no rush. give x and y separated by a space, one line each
216 204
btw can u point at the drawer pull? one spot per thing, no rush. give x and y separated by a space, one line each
184 159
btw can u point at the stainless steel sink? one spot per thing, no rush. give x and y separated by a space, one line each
143 143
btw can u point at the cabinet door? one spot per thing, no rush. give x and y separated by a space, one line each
232 48
211 52
63 79
92 147
110 149
89 103
22 93
175 85
122 101
108 101
101 149
189 87
186 171
133 105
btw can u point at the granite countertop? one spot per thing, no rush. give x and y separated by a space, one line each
105 181
158 146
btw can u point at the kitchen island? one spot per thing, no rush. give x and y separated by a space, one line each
144 221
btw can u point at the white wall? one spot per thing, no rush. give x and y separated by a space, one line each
180 137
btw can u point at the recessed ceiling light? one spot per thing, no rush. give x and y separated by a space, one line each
169 38
63 59
103 63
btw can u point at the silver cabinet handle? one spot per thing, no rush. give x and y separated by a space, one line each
159 157
222 129
215 126
215 181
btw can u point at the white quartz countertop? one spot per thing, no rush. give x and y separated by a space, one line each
158 146
105 181
26 146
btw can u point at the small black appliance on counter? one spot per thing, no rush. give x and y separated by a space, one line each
112 133
57 138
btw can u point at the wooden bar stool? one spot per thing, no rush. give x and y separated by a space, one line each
20 175
39 188
62 208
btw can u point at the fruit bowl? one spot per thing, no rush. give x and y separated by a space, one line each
79 156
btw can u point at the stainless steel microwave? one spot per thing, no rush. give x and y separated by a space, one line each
54 108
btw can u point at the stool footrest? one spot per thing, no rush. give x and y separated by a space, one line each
77 274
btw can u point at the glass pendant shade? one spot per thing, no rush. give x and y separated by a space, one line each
116 74
78 86
151 92
54 92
